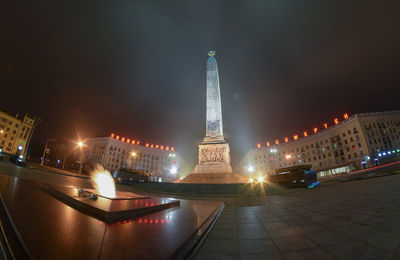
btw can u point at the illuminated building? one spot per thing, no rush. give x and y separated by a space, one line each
360 141
161 162
15 131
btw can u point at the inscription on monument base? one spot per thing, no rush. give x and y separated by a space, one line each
214 158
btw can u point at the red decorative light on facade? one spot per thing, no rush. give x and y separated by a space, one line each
138 142
151 146
157 146
117 137
295 137
286 139
172 149
336 121
315 130
276 141
147 144
133 142
258 146
167 148
346 116
162 147
326 125
128 140
267 143
112 135
305 134
123 139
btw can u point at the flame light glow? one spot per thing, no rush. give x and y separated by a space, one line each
103 182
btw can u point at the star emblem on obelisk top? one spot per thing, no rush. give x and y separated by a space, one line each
211 53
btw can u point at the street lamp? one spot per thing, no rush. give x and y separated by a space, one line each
80 145
173 170
133 155
273 151
46 150
250 169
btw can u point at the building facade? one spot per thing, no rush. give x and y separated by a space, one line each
360 141
15 131
161 163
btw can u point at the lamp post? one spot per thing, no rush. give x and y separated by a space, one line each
288 157
46 150
133 155
273 151
80 145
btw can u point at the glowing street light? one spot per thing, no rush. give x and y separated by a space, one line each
80 145
250 168
260 179
288 156
173 170
133 154
251 180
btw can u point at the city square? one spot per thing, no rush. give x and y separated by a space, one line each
170 130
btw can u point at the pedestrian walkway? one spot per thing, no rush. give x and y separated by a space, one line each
351 220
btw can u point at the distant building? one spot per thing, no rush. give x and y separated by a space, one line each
160 162
360 141
15 131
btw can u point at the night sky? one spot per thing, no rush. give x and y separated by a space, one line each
138 67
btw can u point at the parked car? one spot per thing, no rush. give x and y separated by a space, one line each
296 176
127 176
18 159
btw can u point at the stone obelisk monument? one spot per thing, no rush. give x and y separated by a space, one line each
214 159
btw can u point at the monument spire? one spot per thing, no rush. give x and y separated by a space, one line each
214 128
214 159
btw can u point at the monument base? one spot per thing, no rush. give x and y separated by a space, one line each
213 178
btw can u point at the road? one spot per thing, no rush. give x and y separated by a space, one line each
41 175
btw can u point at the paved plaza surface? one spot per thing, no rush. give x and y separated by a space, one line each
348 220
339 220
